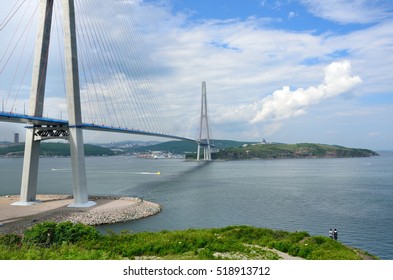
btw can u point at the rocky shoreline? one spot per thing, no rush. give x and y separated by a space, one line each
121 213
108 210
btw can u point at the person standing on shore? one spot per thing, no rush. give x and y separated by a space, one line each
331 233
335 234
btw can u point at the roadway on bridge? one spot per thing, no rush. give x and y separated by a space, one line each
31 120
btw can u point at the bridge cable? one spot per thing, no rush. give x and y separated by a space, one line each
26 28
116 74
10 15
148 63
111 62
119 85
156 106
14 34
123 69
59 29
87 62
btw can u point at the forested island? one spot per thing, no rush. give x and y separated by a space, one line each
278 150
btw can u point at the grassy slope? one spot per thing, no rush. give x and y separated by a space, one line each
68 241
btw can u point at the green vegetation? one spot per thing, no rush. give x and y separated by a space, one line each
228 150
56 149
304 150
50 240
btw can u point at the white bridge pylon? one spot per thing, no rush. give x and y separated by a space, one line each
37 94
40 128
204 132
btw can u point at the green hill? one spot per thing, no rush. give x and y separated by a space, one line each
303 150
56 149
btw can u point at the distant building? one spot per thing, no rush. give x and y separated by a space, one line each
16 138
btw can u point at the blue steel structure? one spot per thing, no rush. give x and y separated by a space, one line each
39 121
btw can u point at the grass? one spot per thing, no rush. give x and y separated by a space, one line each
67 241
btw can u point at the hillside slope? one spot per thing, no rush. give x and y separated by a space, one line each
303 150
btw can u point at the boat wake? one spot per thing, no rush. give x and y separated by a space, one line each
61 169
148 173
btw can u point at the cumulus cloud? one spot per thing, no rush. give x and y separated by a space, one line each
285 103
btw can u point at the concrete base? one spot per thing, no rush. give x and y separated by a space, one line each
82 205
26 203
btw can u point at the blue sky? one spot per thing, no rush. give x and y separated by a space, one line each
284 70
291 14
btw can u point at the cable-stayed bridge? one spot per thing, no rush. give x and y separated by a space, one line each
105 89
56 128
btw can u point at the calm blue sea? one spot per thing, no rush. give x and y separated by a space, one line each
353 195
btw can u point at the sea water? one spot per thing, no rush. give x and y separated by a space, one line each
354 195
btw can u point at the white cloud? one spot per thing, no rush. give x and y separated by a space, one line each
286 103
272 4
350 11
292 14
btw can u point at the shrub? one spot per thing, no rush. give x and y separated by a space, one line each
281 246
40 234
47 233
72 233
11 239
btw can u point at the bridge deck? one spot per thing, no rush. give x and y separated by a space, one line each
19 118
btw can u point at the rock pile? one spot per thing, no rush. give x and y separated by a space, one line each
131 209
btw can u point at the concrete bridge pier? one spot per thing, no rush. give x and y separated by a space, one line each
74 108
37 92
32 148
30 171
